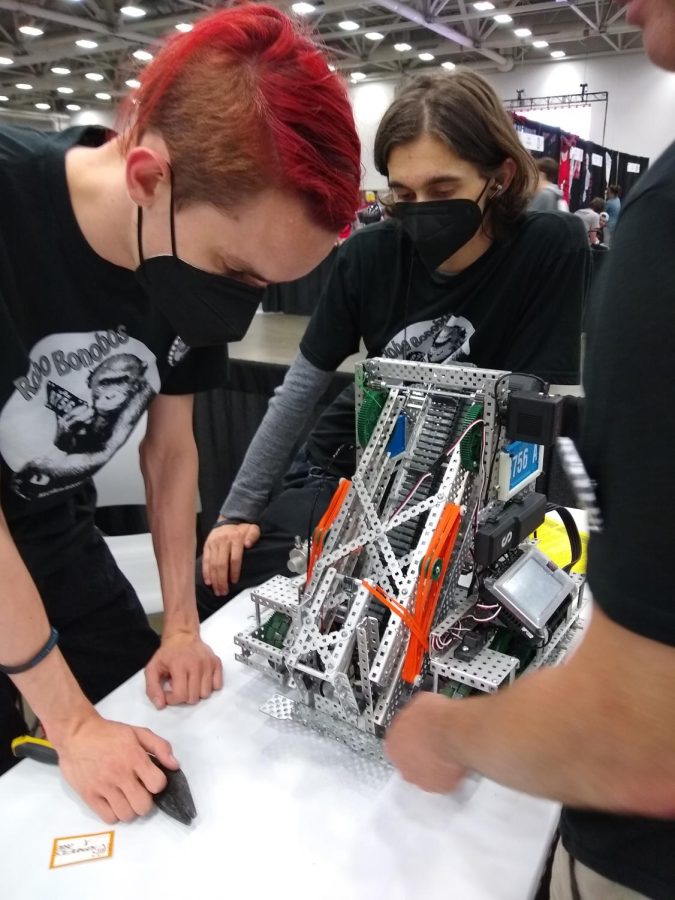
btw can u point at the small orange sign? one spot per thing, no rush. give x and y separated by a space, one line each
81 848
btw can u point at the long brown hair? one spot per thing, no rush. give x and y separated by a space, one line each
462 109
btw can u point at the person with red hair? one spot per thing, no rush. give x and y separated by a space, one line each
127 262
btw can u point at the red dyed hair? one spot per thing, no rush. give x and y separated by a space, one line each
246 101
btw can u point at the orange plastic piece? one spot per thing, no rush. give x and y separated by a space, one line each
325 522
432 573
398 610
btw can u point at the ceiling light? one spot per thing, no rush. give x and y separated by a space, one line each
42 106
6 61
448 65
93 76
24 87
31 30
132 12
502 19
556 54
133 83
184 27
60 70
540 44
303 9
3 99
86 44
484 6
426 57
65 90
522 32
73 107
102 95
402 48
373 36
348 25
358 76
142 55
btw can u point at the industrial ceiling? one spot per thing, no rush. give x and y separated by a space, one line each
63 55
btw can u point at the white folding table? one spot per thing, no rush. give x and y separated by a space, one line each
282 813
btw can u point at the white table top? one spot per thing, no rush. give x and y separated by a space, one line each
282 813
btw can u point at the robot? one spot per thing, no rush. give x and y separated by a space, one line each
423 574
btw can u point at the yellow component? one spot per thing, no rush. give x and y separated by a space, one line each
553 541
27 739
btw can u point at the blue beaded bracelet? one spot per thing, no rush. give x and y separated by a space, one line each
48 647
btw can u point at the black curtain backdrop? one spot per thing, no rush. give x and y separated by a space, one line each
225 420
586 168
549 133
299 297
628 171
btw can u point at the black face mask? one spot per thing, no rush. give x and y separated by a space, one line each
439 228
205 309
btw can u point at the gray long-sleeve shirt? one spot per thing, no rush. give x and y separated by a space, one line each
268 453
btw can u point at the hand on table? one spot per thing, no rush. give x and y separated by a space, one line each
183 670
417 744
107 763
223 554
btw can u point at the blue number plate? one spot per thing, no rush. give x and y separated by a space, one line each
525 461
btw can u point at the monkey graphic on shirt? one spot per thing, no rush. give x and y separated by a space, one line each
74 409
83 427
89 432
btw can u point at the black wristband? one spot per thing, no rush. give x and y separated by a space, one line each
221 522
48 647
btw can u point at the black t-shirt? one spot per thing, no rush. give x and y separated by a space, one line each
627 446
82 351
518 307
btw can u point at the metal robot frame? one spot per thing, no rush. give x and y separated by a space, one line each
391 598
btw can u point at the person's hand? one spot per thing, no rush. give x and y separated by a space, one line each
417 744
223 554
107 763
183 670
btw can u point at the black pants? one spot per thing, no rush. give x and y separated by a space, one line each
104 634
305 496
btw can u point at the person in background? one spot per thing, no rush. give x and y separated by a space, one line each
613 209
496 286
549 196
590 216
126 264
598 733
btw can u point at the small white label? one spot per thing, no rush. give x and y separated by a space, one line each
81 848
531 141
577 153
596 160
633 167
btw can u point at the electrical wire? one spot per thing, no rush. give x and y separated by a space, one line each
411 493
545 385
456 631
405 306
568 520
